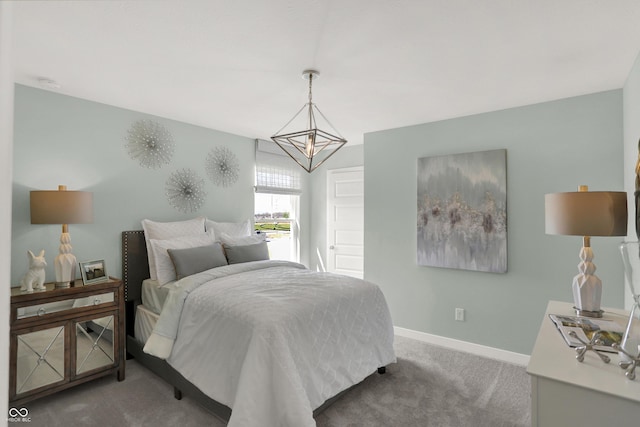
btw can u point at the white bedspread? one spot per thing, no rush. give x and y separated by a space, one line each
273 340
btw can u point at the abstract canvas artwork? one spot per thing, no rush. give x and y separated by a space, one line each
462 211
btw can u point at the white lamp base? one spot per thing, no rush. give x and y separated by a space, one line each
587 287
65 263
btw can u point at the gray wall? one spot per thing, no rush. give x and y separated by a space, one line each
81 144
631 102
551 147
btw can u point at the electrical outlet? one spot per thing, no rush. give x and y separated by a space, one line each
460 314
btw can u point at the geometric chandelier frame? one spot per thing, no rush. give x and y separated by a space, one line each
309 146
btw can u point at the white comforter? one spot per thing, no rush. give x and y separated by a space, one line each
273 340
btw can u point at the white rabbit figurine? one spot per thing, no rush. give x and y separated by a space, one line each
34 278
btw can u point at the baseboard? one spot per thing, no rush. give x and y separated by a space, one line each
468 347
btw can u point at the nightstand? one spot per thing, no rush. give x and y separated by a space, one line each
565 392
61 337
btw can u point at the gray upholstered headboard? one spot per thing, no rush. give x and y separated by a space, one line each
135 264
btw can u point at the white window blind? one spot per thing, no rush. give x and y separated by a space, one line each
276 172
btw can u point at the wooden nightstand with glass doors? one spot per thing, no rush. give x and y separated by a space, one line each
61 337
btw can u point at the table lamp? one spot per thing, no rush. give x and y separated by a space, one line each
586 213
62 207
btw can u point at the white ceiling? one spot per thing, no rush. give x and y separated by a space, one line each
235 65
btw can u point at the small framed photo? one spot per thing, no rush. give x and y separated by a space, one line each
93 272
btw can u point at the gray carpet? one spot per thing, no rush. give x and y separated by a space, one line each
429 386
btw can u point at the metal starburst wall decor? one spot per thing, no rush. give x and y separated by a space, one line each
222 166
150 143
185 190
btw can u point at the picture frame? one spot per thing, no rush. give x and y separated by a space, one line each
93 272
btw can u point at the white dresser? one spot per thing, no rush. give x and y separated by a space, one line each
565 392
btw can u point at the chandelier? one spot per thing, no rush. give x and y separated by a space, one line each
311 146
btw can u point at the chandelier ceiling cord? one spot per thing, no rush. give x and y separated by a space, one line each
311 146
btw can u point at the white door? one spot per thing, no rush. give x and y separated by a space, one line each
345 218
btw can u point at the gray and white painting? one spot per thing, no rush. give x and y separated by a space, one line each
462 211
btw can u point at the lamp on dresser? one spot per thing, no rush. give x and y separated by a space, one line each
586 213
62 207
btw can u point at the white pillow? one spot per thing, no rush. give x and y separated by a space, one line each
229 240
236 229
168 230
165 269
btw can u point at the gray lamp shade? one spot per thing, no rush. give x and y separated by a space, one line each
61 207
586 213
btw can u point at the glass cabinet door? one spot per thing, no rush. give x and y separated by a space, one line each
40 359
94 344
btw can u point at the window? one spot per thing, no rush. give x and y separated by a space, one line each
277 200
275 215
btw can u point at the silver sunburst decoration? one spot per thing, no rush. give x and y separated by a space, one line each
150 143
185 190
222 166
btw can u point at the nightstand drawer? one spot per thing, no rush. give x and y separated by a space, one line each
42 305
71 305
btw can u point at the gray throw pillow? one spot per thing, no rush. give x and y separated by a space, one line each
194 260
246 253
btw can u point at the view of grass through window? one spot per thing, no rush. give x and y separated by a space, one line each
273 216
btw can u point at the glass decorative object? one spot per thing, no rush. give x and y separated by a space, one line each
631 339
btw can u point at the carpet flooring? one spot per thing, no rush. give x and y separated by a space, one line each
429 386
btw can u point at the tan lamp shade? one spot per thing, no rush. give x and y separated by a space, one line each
586 213
61 207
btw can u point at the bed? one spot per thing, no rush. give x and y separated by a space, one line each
273 340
